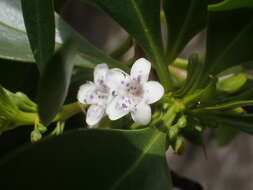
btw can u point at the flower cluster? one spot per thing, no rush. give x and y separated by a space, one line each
117 93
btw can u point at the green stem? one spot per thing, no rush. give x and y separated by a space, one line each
65 112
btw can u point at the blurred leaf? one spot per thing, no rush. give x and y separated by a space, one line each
60 4
194 71
11 70
224 134
15 44
230 4
226 105
39 22
229 40
141 19
243 122
185 18
54 82
91 159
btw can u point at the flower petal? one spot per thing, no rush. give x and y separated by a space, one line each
94 114
90 93
140 70
85 91
100 72
153 91
117 109
116 78
142 114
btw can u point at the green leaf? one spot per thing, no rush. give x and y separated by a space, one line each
224 134
14 44
54 82
230 4
40 26
228 105
141 19
91 159
243 122
229 40
185 18
194 71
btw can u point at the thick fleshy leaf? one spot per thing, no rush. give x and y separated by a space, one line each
141 19
229 40
15 44
194 71
40 26
224 134
54 82
242 122
228 105
185 18
230 4
91 159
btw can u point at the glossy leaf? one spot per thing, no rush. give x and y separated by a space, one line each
91 159
227 105
242 122
40 26
15 44
229 40
230 4
185 18
54 82
224 134
141 19
194 71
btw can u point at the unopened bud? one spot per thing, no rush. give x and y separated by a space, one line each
35 136
232 84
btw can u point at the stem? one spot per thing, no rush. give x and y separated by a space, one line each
65 112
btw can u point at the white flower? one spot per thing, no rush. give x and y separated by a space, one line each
134 93
95 93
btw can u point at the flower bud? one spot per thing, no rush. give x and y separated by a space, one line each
35 136
232 84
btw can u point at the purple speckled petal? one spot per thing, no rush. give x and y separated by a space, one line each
85 91
116 79
153 91
100 73
142 114
140 70
117 108
94 114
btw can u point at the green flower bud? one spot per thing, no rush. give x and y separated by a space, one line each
173 131
22 101
178 145
232 84
35 136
